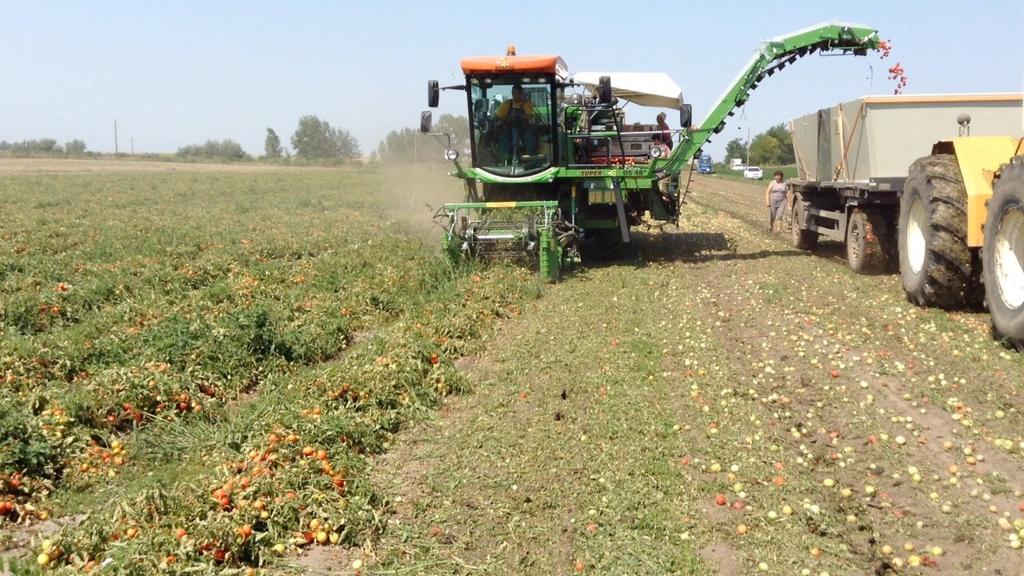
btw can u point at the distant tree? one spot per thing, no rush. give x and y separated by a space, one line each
736 148
316 139
403 146
457 127
272 145
40 147
74 148
765 149
347 144
45 146
785 139
214 150
410 145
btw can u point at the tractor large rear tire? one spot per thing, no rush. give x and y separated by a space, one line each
865 234
802 238
937 267
1003 254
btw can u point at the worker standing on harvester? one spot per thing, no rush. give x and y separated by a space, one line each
658 141
775 200
666 132
517 116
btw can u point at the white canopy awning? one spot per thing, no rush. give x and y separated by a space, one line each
641 88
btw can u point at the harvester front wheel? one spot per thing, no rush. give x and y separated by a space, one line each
803 238
866 235
1003 254
936 265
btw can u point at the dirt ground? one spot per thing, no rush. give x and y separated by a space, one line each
718 402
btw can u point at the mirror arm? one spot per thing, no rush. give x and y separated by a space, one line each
447 136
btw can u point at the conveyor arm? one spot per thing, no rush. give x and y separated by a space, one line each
771 56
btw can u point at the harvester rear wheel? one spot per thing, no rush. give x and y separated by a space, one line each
1003 254
936 265
802 238
866 236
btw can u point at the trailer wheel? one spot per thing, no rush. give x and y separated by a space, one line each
870 242
863 246
802 238
936 266
1003 254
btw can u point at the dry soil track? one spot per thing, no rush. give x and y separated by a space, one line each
718 402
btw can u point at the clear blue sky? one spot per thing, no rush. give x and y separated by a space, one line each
178 73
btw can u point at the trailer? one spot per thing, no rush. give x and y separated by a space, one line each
852 162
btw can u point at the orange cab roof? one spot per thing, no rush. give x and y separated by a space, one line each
548 64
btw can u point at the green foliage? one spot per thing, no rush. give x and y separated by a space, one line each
409 145
736 148
457 127
722 171
47 147
213 150
40 147
187 346
773 146
316 139
406 146
785 140
24 446
74 148
765 150
272 145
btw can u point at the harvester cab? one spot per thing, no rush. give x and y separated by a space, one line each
556 164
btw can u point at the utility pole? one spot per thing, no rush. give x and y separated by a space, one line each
748 145
115 137
133 145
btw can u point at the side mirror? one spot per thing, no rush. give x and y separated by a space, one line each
433 93
685 115
604 90
426 120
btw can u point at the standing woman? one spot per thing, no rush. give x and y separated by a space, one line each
775 200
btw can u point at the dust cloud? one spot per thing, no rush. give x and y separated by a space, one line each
412 194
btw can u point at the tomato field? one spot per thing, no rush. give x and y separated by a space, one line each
196 365
273 370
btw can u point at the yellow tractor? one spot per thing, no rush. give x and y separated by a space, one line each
961 229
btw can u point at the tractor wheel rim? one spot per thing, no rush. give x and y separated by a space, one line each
1008 257
916 242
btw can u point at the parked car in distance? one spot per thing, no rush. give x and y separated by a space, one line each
753 172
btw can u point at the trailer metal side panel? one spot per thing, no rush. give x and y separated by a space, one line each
805 133
824 144
877 137
850 153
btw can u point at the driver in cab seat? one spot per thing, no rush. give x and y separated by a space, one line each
516 117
